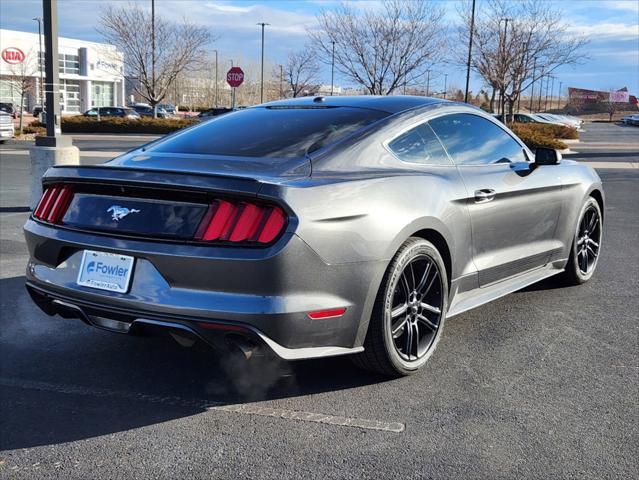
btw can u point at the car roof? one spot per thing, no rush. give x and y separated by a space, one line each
390 104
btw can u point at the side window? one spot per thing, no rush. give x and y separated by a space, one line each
419 145
473 140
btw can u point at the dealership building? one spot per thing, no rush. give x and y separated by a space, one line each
91 74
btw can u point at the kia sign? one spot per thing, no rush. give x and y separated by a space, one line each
12 55
235 77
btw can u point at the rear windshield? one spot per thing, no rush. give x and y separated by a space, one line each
277 132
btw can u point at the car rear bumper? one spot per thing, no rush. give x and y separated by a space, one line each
7 132
263 293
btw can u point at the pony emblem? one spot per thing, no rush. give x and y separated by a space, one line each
118 212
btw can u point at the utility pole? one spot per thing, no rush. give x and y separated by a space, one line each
427 81
216 81
541 89
262 24
559 96
333 69
232 91
532 85
445 84
525 69
503 88
552 88
40 61
155 108
281 81
53 148
470 50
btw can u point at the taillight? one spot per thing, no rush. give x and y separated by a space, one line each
241 222
54 203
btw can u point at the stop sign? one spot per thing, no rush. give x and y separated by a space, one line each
235 77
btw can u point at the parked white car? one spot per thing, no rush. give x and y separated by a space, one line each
561 119
7 129
631 119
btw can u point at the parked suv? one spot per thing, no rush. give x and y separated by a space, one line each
8 108
147 111
112 112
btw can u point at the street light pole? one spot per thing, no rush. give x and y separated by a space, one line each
262 24
52 149
40 61
470 50
216 80
333 69
427 81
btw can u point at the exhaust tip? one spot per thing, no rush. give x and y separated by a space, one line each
242 345
183 340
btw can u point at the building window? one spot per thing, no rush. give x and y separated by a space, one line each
9 91
70 95
67 63
102 94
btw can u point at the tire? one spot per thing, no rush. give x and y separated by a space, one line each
575 273
408 349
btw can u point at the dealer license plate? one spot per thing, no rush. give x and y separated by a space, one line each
106 271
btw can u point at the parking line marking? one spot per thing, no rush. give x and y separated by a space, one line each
252 409
210 405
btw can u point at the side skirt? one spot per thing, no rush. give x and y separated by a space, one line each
474 298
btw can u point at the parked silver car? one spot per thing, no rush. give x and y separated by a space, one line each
7 130
314 227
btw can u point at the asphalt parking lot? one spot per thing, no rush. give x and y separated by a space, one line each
543 383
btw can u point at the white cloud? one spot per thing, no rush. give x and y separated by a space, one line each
225 8
606 30
626 5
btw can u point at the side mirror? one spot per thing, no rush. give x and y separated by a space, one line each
547 156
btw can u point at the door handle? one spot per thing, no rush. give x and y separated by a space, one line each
484 195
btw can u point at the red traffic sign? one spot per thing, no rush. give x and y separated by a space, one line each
235 77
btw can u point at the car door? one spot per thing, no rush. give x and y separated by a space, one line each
513 209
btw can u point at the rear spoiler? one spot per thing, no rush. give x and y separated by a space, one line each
209 182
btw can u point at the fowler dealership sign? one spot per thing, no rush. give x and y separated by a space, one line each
588 96
12 55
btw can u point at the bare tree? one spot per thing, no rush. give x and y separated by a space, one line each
511 38
300 71
383 49
21 80
178 47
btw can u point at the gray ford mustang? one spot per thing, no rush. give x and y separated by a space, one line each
313 227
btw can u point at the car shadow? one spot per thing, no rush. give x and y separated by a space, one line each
550 283
62 381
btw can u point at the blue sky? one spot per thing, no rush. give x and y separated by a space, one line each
612 28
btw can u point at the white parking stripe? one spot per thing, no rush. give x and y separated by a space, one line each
254 409
211 405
